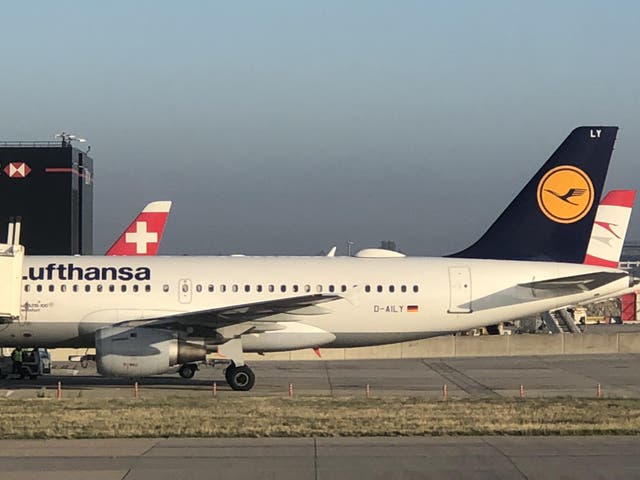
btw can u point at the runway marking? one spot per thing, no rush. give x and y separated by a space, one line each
315 458
607 386
509 459
462 381
326 368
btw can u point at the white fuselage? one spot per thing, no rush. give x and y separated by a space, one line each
384 300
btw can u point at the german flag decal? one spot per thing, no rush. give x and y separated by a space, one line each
412 308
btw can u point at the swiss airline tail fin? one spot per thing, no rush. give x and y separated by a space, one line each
610 229
143 235
552 217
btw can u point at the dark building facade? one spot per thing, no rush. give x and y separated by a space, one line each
49 185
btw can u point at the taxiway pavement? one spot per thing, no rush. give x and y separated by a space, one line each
319 458
481 377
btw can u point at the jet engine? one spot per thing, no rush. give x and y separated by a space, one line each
140 351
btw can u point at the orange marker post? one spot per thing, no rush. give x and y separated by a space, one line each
59 391
521 391
136 392
444 392
291 390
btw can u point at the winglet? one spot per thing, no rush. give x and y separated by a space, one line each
143 235
610 229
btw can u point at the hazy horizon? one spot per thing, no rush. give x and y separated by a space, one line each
288 127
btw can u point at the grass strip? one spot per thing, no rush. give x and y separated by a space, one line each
314 416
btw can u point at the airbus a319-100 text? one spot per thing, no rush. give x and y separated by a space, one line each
146 315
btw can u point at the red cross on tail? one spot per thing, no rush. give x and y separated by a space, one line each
143 235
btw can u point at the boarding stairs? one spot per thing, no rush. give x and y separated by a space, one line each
560 321
11 260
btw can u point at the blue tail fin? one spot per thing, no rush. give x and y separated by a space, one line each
552 217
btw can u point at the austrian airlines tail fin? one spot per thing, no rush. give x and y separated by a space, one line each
143 235
552 217
610 228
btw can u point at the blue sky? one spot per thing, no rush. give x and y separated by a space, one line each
286 127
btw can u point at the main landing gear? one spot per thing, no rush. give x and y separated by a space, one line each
240 378
188 370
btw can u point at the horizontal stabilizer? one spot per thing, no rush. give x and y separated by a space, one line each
573 284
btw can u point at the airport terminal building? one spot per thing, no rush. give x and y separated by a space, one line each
50 186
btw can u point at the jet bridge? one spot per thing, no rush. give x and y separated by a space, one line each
11 259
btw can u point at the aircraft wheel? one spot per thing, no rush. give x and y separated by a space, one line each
240 378
188 370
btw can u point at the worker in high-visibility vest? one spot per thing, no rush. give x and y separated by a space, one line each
16 356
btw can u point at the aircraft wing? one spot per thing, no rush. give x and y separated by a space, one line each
235 314
573 284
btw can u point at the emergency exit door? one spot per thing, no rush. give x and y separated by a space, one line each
459 290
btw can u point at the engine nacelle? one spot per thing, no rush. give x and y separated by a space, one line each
139 351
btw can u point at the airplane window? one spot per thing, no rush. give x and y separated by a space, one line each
379 288
234 288
136 288
223 288
99 288
185 287
258 288
27 288
343 288
165 288
247 288
367 288
271 288
210 288
199 288
403 288
415 288
283 288
295 288
319 288
75 288
331 288
52 288
87 288
112 288
63 288
39 288
307 288
147 288
123 288
392 288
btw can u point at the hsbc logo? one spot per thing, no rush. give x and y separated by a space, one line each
17 170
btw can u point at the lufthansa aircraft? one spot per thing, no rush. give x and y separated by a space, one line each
145 315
